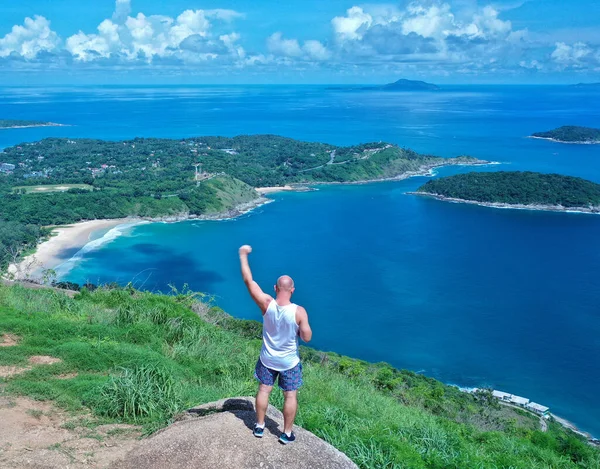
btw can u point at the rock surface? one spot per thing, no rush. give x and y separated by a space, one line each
219 435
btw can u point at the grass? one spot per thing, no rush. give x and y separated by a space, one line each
141 358
45 188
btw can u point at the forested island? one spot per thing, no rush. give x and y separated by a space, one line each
410 85
399 85
571 134
60 181
22 124
515 189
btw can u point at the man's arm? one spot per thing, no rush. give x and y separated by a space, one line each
305 331
259 297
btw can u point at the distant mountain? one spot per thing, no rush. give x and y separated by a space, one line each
410 85
400 85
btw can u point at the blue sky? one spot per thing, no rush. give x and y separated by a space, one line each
299 41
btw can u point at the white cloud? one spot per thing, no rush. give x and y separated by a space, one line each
286 47
89 46
567 55
315 50
430 37
29 40
426 31
187 37
122 10
290 48
353 25
435 21
223 14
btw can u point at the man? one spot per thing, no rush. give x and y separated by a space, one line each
283 322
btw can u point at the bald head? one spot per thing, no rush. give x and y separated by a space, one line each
285 283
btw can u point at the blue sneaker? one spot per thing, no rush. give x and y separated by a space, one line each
258 431
284 439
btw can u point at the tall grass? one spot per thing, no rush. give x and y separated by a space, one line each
141 358
146 392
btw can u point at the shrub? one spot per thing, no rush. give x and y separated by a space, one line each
145 391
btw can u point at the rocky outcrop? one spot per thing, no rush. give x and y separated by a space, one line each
219 435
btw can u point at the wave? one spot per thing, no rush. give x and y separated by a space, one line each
112 234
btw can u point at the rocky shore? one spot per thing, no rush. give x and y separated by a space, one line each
541 207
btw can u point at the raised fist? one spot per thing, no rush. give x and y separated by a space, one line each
245 250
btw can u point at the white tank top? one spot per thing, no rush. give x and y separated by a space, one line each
280 337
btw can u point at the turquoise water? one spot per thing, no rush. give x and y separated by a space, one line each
470 295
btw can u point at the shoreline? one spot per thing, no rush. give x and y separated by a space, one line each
538 207
75 236
562 421
62 238
49 124
424 171
563 141
273 189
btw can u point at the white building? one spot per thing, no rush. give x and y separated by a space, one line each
538 408
506 397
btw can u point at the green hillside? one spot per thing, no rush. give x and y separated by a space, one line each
60 181
141 358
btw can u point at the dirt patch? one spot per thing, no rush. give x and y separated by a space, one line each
66 376
8 371
37 435
9 340
43 360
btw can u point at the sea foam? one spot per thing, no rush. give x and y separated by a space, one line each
112 234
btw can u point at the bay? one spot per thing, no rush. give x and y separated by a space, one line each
469 295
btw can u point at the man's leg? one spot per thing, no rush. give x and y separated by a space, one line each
262 402
290 406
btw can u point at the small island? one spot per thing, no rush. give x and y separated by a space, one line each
571 134
516 189
586 85
399 85
24 124
409 85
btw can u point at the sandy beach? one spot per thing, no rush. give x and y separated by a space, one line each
62 244
271 190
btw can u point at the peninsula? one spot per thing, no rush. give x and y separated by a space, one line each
59 181
23 124
571 134
515 189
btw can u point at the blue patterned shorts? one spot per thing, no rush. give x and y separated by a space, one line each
289 380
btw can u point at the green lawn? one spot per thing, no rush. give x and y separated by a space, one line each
141 358
44 189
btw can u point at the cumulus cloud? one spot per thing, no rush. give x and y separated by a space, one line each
427 31
428 36
310 50
574 55
353 25
188 37
30 39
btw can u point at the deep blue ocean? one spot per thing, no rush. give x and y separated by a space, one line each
470 295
